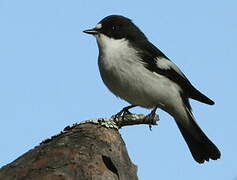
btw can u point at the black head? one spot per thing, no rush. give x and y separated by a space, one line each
117 27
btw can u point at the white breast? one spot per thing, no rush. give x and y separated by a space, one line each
125 75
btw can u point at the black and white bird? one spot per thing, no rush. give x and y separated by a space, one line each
135 70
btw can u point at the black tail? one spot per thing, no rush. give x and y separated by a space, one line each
200 146
197 95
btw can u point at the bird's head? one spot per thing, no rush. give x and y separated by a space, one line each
117 27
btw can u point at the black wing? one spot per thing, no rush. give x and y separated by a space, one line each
157 62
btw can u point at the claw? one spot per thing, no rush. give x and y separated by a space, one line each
150 117
124 111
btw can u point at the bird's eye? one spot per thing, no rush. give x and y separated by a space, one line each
115 28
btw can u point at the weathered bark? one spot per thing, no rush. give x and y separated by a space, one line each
87 151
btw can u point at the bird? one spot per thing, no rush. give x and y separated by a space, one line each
138 72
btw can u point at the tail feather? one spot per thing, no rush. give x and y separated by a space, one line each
197 95
202 149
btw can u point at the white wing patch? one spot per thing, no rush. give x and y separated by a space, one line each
166 64
163 63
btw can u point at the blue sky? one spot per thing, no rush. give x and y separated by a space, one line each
49 78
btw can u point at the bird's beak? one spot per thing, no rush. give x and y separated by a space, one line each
91 31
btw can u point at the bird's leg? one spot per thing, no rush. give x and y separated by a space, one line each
124 111
150 117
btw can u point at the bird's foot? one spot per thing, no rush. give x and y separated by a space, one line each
151 117
124 111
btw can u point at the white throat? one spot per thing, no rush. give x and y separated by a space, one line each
115 51
105 42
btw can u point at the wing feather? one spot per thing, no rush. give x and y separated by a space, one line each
158 62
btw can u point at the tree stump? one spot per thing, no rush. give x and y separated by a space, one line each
93 150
